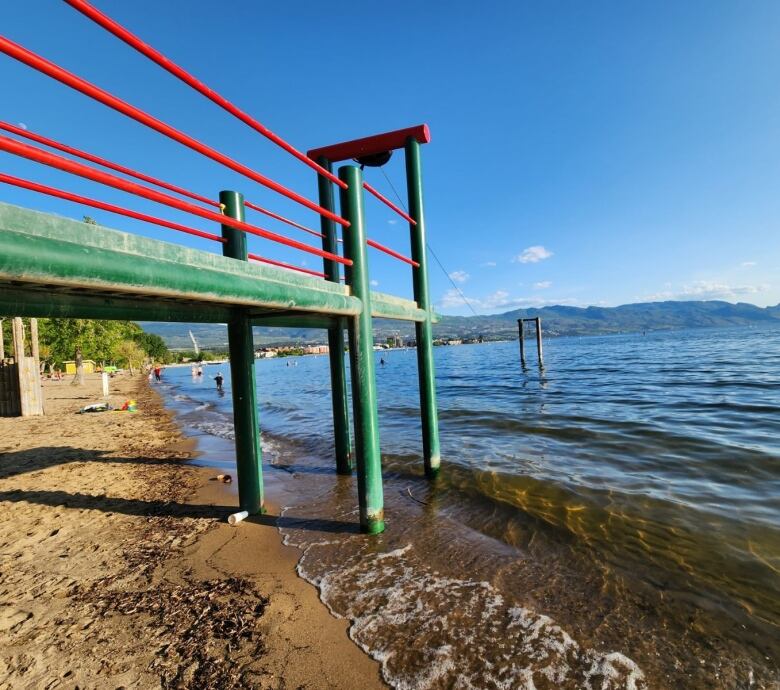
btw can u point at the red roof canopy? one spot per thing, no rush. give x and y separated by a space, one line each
367 146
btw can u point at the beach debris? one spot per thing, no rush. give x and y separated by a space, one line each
235 518
96 407
199 625
409 493
129 406
224 478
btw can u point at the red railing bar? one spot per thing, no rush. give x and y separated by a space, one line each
392 252
389 203
249 204
48 68
262 259
32 153
94 203
8 127
156 56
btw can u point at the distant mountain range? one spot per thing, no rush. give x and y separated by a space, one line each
556 321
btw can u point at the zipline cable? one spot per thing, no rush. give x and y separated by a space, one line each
430 249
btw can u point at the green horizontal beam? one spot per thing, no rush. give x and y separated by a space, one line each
294 321
16 301
187 284
389 307
39 260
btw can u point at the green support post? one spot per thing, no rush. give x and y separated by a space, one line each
424 332
338 376
249 459
361 357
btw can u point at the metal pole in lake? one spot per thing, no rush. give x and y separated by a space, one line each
423 329
249 460
521 336
539 340
361 357
338 376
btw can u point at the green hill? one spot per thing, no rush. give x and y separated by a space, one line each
556 321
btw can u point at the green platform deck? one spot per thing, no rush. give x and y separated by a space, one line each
52 266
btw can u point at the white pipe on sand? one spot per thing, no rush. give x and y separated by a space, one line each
235 518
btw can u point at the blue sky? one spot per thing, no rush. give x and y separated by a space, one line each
590 153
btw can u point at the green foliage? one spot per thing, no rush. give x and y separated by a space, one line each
129 353
190 356
98 340
154 346
290 352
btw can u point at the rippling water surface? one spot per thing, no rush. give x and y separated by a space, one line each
612 521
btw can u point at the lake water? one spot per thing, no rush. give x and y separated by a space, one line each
612 521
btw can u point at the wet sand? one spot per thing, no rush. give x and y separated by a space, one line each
117 568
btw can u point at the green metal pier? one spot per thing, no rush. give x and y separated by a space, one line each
52 266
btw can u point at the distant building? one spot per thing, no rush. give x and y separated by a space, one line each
316 350
265 353
89 366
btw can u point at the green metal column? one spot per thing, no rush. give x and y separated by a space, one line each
361 358
338 375
424 331
249 461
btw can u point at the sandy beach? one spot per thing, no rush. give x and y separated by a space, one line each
117 567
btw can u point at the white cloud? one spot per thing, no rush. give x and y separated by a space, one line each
532 255
705 290
459 276
747 264
489 264
374 283
392 222
500 300
21 125
542 285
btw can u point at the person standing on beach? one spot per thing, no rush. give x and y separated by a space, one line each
158 373
218 378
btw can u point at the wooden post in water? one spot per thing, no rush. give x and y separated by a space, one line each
539 340
521 336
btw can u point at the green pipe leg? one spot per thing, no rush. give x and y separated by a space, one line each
361 358
424 331
249 460
338 375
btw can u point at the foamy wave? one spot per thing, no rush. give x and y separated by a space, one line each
225 430
219 429
429 631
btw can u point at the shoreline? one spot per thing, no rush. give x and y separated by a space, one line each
119 569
